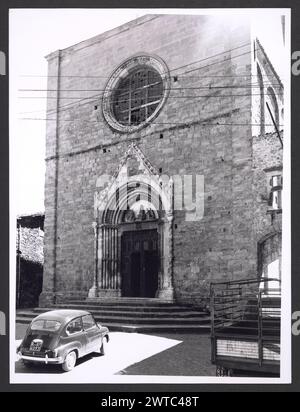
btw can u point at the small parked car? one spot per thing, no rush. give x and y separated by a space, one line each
62 337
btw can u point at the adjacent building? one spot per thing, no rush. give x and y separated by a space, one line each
30 259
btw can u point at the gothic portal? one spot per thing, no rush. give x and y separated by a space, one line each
133 232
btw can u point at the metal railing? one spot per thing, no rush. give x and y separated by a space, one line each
245 319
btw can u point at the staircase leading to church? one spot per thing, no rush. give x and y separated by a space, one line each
144 315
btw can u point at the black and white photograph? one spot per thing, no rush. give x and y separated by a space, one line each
149 195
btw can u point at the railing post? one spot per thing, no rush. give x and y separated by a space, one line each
260 334
212 316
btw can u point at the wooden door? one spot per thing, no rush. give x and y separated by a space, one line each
139 263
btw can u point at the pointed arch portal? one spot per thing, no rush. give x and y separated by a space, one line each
133 228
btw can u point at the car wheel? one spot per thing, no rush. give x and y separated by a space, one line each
70 361
102 349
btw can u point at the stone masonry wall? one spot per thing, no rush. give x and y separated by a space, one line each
204 128
267 155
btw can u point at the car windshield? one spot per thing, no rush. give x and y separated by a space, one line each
46 325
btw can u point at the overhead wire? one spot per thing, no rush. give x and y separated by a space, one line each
97 97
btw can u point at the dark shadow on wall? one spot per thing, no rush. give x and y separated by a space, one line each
30 284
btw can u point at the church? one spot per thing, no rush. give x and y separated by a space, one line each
163 161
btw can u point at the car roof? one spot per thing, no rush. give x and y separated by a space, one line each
62 315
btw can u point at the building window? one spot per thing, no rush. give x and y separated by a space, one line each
137 96
275 193
135 93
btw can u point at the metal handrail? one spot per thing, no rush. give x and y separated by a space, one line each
242 308
246 281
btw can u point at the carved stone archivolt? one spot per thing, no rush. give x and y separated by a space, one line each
127 199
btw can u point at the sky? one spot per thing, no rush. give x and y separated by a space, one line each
34 33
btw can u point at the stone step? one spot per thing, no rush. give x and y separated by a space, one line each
126 314
138 302
205 329
133 314
133 320
123 307
151 328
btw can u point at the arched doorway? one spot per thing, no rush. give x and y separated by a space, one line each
140 250
139 263
133 233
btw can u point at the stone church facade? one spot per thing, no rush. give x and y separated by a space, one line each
163 164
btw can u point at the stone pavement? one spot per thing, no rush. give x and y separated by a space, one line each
189 358
129 354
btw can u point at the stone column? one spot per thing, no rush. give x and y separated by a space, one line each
104 260
166 289
160 247
118 262
100 256
108 283
93 292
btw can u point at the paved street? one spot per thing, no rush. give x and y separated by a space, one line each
130 354
189 358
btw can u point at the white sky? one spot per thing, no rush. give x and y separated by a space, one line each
34 33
